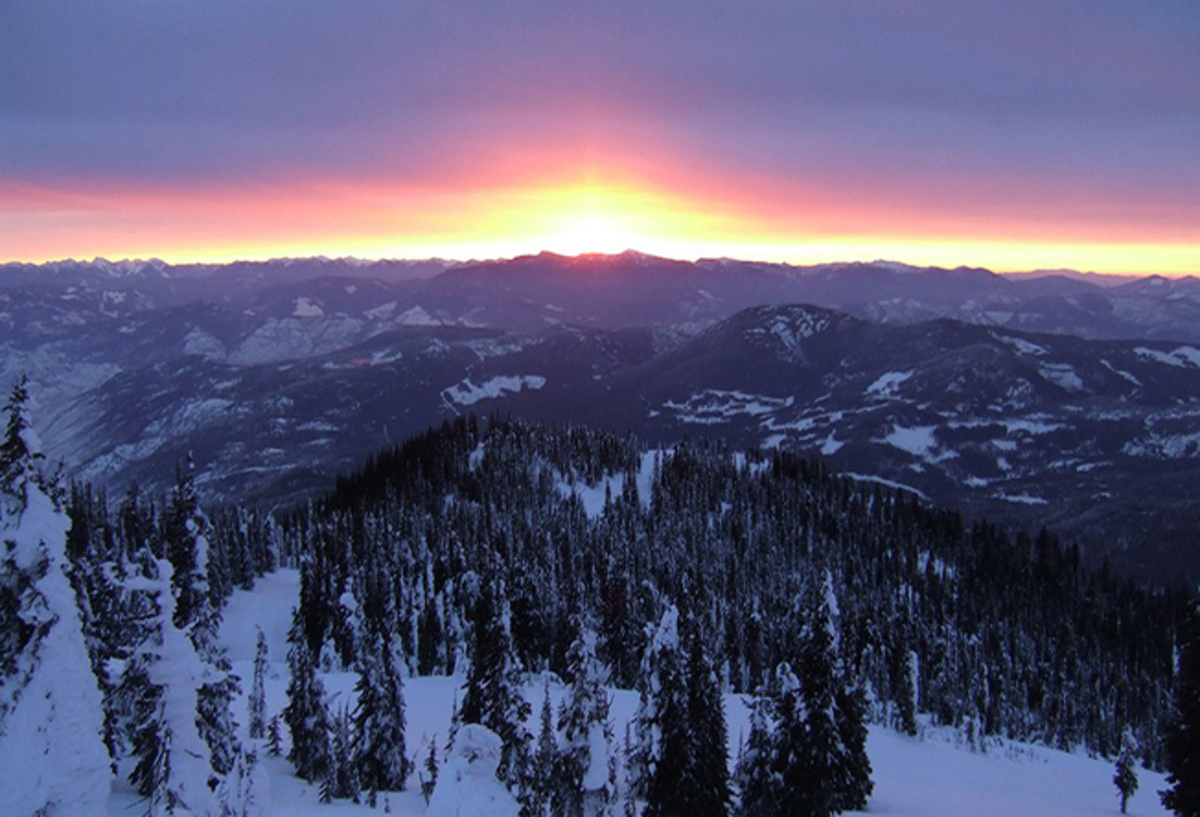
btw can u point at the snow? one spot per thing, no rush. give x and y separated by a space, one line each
1022 499
1020 345
831 445
887 384
52 758
1120 373
381 312
201 343
918 440
1180 358
592 496
714 406
1061 374
466 393
467 784
417 317
890 483
307 308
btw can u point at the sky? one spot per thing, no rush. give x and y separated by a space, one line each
1011 135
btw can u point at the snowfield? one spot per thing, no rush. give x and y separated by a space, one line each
934 775
468 393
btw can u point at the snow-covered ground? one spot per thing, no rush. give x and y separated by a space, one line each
933 775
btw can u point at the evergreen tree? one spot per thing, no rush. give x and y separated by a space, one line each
1125 773
258 705
758 790
184 531
545 761
50 703
341 780
492 696
274 739
430 774
587 773
306 714
706 789
187 758
1182 743
659 764
378 747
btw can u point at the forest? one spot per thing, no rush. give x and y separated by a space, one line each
495 549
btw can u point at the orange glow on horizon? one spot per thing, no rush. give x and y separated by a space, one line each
571 213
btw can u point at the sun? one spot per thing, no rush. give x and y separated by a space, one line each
592 220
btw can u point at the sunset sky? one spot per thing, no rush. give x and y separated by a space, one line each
1012 135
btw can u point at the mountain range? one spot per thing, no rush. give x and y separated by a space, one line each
1052 399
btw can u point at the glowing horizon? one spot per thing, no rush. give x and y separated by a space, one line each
574 214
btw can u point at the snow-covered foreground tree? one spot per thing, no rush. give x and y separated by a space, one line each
587 771
178 686
678 765
52 754
492 696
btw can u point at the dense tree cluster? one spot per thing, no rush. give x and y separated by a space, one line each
1011 636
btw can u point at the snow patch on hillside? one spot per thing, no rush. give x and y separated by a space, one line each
307 308
467 393
887 385
1121 373
1181 358
417 317
1020 345
1062 375
715 406
918 440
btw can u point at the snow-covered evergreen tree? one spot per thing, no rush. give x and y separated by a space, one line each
544 773
341 780
492 696
51 722
306 714
429 771
187 758
587 776
257 699
754 778
378 746
1125 776
658 764
706 788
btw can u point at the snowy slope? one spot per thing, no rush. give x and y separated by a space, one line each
935 775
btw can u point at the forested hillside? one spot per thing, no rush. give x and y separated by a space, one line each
496 549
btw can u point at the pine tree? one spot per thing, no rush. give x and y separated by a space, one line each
1125 773
430 775
587 773
492 697
274 739
756 784
341 779
545 760
50 703
185 761
378 747
1182 743
706 789
659 763
306 714
258 705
